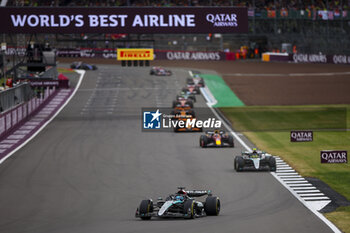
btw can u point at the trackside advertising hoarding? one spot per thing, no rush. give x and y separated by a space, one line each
334 156
134 54
301 136
124 20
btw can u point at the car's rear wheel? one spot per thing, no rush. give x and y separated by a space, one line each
212 206
189 209
190 103
230 141
146 207
203 141
174 103
238 163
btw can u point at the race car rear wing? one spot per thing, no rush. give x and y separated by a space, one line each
198 193
212 132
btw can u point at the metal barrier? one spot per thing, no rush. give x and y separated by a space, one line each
14 117
17 95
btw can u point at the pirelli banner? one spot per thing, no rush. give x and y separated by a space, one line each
135 54
123 20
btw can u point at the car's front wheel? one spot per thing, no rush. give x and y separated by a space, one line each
146 207
238 163
212 206
230 141
203 141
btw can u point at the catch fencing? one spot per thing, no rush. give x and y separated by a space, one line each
11 119
14 96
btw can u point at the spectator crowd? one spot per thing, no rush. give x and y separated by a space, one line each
257 4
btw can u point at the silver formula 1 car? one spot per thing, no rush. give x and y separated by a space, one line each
181 204
255 160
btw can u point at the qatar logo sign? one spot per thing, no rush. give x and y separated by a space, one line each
223 20
301 136
334 156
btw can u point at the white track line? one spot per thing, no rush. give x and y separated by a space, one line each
296 189
312 208
82 73
301 192
312 194
288 75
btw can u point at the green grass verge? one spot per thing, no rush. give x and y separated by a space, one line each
222 93
269 129
341 218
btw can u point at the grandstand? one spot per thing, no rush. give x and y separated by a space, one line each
312 26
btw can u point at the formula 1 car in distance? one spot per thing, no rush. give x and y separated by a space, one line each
182 102
159 71
191 89
180 205
185 115
82 65
186 95
196 80
255 160
216 138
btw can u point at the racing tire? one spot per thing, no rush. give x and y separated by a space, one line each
203 141
198 91
94 67
272 164
146 207
212 206
174 103
190 103
189 80
189 209
192 113
239 163
230 141
193 98
184 89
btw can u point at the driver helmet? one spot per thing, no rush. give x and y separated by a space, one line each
179 198
254 151
216 131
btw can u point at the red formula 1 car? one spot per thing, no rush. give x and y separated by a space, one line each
217 138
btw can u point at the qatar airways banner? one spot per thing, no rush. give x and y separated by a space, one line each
320 58
124 20
190 55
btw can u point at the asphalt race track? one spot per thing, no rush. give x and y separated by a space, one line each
88 170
